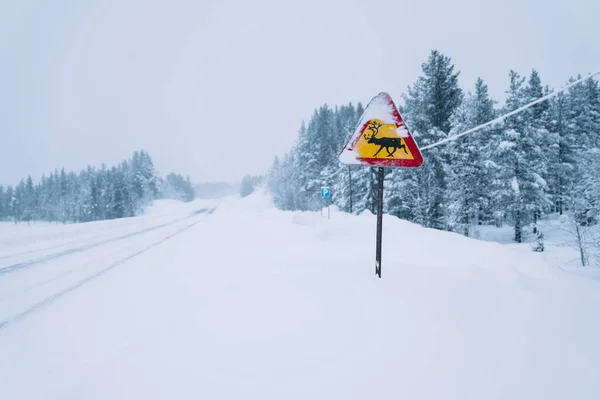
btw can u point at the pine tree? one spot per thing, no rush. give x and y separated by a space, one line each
585 119
102 184
538 142
142 179
43 200
364 189
323 160
442 93
249 184
522 156
510 156
8 202
56 198
117 207
94 199
3 213
17 203
470 169
29 201
346 121
177 187
63 208
483 144
562 153
429 106
305 165
465 164
402 195
275 184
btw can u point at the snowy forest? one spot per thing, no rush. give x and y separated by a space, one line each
93 194
543 160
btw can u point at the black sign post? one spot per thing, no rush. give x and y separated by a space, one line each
350 186
379 220
381 127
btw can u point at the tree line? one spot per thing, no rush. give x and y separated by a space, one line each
93 194
543 160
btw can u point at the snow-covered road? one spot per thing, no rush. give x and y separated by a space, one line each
32 279
250 302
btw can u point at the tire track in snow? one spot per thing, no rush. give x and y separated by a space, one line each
54 256
52 298
55 246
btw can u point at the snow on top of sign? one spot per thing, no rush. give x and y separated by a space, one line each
382 107
348 157
378 108
402 131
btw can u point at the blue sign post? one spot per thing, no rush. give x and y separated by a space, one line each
326 194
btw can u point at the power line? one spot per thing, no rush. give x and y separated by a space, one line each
502 117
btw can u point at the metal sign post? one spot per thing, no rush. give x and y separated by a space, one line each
325 194
350 186
379 220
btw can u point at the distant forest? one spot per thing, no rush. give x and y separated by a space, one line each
214 190
543 160
92 194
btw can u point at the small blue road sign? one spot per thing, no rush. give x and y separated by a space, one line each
325 192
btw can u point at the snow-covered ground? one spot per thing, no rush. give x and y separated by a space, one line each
560 241
254 303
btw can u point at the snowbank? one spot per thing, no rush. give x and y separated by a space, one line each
252 302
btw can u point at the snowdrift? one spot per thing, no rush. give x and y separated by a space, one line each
252 302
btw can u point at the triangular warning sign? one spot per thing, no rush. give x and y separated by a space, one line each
381 138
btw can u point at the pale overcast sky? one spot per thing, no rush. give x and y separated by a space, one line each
216 89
